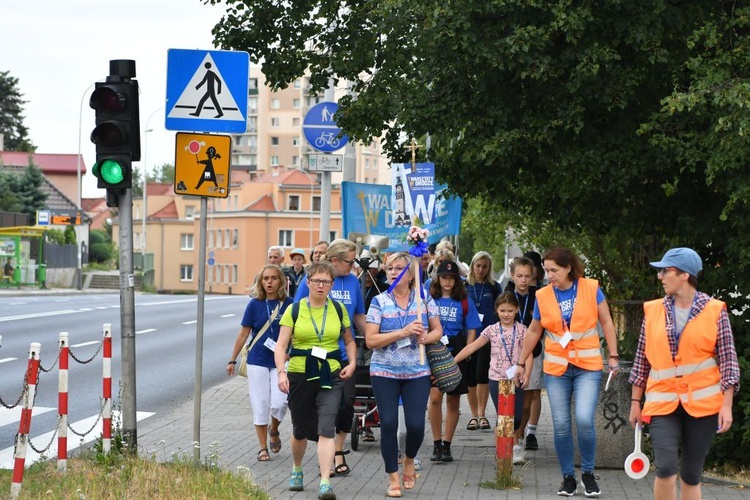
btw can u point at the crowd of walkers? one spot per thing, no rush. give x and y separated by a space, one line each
548 328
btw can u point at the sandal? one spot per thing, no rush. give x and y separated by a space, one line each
409 481
473 424
393 491
369 437
342 468
263 455
275 444
484 423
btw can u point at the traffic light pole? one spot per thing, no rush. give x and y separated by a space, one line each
198 386
127 322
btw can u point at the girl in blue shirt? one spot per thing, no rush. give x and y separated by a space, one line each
459 329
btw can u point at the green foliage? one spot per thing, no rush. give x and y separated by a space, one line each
55 236
161 174
102 249
22 193
11 115
70 235
10 201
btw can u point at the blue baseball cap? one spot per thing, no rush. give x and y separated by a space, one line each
684 259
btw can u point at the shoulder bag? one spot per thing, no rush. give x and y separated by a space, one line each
444 369
242 363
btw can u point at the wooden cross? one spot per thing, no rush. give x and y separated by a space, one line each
413 146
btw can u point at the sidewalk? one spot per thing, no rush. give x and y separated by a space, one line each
227 431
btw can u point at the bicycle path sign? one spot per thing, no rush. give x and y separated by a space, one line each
321 130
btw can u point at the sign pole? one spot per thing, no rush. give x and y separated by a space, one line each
198 386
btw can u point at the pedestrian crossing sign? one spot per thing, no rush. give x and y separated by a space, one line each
207 90
201 164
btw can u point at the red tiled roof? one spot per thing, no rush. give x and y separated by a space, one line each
291 176
159 188
263 204
48 163
168 212
92 204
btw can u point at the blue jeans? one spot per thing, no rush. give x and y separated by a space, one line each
413 393
583 385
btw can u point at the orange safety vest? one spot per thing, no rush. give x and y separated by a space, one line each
583 350
692 377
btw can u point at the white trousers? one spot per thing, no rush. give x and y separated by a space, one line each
265 397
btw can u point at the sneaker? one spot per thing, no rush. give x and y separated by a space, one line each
447 456
417 464
296 481
531 443
437 453
590 488
568 488
326 492
519 456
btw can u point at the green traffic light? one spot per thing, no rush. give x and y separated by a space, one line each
109 171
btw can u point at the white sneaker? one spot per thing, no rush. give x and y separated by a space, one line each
519 456
417 464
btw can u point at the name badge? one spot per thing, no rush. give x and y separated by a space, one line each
565 339
319 352
481 317
444 339
510 373
270 343
405 342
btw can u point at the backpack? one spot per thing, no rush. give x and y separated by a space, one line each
336 305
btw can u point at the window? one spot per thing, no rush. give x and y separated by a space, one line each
186 241
297 83
274 160
218 274
227 238
275 104
285 237
209 274
235 273
186 272
295 121
295 141
210 243
189 211
295 160
274 141
218 238
367 180
332 235
293 202
367 163
297 103
316 204
235 238
274 122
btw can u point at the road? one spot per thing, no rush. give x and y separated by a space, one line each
165 353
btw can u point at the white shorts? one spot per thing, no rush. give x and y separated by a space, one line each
265 396
535 383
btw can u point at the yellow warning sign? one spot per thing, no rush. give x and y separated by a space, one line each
201 164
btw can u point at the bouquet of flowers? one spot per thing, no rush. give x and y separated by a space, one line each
417 238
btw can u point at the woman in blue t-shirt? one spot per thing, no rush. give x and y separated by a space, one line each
269 301
460 323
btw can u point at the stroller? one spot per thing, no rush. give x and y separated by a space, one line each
365 409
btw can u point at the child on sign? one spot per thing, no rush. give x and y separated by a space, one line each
506 343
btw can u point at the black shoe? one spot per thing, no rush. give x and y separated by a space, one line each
568 487
437 453
531 443
447 457
590 488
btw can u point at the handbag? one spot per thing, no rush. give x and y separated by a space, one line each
444 369
242 363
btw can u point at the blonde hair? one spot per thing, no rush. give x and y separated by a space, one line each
339 248
471 278
260 293
411 263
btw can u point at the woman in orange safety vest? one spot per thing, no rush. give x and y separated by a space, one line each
569 308
687 364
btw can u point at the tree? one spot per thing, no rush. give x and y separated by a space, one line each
618 128
163 174
15 134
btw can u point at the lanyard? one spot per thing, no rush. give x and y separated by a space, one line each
573 305
322 331
477 300
522 312
678 334
402 319
268 309
512 342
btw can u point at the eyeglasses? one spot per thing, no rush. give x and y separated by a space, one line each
350 262
321 282
663 271
396 269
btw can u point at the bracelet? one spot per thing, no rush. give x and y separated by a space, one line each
279 372
522 365
231 362
615 356
637 400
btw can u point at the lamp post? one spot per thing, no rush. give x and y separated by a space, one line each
145 184
79 281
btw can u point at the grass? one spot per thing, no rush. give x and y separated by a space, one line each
118 476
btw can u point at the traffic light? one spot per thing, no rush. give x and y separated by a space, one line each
117 132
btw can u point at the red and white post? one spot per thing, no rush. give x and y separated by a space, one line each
24 427
107 389
62 404
506 403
